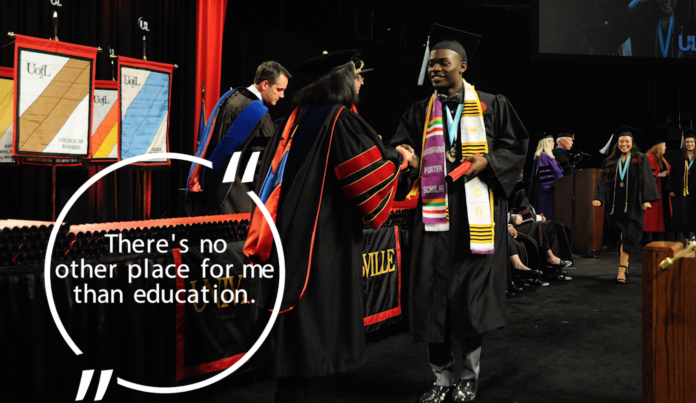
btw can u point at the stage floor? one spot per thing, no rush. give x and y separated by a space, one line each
576 341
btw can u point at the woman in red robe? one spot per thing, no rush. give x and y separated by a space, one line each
658 218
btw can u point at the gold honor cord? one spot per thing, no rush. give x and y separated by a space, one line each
665 264
686 178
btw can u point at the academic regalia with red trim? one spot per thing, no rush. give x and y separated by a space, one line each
446 278
337 172
658 218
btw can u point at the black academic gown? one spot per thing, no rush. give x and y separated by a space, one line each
223 198
683 206
446 278
320 222
622 218
561 156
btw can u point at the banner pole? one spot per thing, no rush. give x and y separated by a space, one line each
53 189
115 196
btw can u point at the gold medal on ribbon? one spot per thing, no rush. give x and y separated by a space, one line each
621 184
452 154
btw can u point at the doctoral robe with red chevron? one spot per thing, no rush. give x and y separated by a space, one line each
337 173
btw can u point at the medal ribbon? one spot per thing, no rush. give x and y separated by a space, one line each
623 168
453 124
664 45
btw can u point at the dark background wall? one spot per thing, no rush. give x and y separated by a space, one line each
589 95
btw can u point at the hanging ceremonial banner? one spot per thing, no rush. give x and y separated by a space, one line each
53 109
144 89
381 271
6 109
213 335
104 140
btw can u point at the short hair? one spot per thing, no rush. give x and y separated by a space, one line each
335 88
270 71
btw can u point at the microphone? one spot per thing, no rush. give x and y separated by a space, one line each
583 154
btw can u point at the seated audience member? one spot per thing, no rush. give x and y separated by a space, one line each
519 270
545 233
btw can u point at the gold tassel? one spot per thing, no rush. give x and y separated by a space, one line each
628 165
613 199
686 178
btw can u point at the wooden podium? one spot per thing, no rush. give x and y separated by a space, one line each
669 325
589 221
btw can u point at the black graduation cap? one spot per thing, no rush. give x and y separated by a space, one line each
544 135
462 42
686 134
622 130
560 133
327 63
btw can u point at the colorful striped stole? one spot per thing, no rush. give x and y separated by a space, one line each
433 186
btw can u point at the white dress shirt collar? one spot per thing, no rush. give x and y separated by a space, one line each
254 91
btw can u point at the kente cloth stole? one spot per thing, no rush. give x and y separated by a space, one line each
433 185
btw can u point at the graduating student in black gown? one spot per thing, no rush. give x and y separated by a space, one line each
452 289
626 188
682 187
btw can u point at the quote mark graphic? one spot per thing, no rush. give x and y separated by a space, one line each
248 176
86 379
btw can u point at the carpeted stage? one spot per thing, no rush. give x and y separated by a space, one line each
577 341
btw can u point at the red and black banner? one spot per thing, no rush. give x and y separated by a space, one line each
381 271
213 336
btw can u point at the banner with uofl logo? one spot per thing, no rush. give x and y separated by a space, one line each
54 83
144 98
105 122
6 109
381 271
213 336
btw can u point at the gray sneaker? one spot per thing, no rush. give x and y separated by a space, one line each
436 394
465 390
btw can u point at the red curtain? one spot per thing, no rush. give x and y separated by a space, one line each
209 28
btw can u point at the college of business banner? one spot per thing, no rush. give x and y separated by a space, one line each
105 122
144 98
54 83
381 271
6 109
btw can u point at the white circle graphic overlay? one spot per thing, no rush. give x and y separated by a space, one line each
69 340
